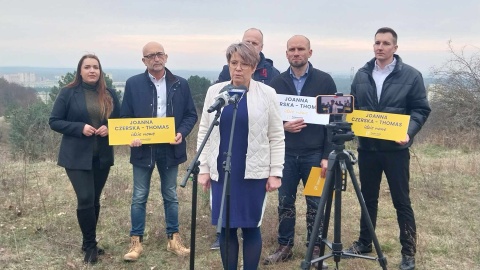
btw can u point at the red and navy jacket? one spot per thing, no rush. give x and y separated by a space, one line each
264 73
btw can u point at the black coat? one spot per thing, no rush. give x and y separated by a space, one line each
403 93
312 138
69 116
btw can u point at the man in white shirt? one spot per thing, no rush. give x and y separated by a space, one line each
386 84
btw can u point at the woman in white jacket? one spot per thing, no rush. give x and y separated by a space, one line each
257 155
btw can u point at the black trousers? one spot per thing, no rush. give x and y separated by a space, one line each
88 186
396 166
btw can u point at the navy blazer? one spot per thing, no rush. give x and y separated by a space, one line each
69 116
140 100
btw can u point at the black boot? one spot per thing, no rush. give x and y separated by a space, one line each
88 223
91 255
101 251
97 213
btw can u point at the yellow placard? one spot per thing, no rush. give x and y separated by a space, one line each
315 183
377 125
149 130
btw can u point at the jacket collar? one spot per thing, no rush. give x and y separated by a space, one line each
264 62
370 65
169 77
79 99
310 69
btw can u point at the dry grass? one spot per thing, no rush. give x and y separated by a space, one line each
40 231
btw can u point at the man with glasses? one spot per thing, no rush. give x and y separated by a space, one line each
157 93
265 71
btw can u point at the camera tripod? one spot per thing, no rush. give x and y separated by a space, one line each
339 164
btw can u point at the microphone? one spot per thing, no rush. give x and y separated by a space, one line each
221 100
237 93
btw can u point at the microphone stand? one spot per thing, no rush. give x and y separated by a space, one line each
194 168
226 185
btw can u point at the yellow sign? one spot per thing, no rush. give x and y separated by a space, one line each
315 183
149 130
377 125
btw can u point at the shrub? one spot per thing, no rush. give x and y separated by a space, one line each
30 135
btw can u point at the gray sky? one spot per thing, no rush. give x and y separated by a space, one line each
195 34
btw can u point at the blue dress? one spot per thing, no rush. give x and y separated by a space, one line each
247 196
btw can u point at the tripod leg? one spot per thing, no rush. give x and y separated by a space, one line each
337 245
319 218
325 224
381 258
193 226
326 219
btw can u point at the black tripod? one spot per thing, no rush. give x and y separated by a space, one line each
339 163
194 169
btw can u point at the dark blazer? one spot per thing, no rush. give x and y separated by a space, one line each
140 100
69 116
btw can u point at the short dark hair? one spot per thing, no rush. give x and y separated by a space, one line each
388 30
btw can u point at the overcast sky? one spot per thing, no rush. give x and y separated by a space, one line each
196 33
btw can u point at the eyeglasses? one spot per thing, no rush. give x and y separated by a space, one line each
153 55
242 65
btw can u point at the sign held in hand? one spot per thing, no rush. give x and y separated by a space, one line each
377 125
149 130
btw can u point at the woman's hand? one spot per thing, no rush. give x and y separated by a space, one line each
102 131
88 130
273 183
204 180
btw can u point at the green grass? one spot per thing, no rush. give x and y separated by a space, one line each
40 231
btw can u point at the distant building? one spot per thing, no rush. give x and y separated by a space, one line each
46 83
30 80
24 79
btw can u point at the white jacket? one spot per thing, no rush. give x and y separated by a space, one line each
266 137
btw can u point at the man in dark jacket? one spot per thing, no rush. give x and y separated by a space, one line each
157 93
386 84
306 145
265 71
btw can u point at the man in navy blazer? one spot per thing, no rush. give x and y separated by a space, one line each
157 93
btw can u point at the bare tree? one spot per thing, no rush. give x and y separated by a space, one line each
455 95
